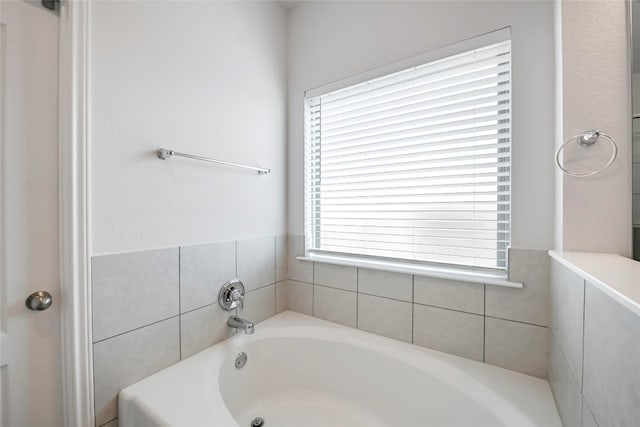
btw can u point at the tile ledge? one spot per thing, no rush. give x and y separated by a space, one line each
613 274
481 278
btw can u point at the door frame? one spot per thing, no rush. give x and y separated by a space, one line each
73 164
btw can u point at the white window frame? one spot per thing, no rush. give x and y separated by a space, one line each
474 274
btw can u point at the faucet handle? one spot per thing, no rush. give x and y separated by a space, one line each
231 295
237 297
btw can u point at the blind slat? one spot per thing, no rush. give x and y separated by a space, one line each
428 107
457 60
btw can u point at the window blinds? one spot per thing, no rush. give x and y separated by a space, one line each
414 165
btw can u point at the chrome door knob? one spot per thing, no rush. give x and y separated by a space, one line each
38 301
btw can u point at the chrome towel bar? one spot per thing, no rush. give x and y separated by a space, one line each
165 154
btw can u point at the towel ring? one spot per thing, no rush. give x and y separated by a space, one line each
586 140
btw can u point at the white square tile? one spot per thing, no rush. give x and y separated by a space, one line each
385 284
125 359
336 276
451 294
259 304
300 271
335 305
203 271
281 258
120 282
449 331
517 346
566 392
294 296
567 313
203 328
611 382
257 262
386 317
529 304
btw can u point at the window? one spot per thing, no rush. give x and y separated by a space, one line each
414 165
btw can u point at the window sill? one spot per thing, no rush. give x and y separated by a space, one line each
480 277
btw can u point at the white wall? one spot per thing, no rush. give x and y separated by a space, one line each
329 41
206 78
596 212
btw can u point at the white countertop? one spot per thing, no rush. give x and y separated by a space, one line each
615 275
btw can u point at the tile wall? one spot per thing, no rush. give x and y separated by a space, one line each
154 308
594 350
501 326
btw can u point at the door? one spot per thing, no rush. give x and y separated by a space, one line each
32 379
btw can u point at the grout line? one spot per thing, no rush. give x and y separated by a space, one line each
297 281
191 310
484 323
180 301
519 321
448 309
357 296
413 298
261 287
566 363
584 314
376 296
275 299
275 304
340 289
584 402
93 363
137 329
313 281
110 421
235 248
93 373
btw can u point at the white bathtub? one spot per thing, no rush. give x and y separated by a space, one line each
305 372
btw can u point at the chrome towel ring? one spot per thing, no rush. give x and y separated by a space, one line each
586 140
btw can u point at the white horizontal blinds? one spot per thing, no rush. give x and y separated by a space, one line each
415 164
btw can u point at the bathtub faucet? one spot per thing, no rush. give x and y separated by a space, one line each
236 322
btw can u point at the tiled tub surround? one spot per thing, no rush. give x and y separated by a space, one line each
502 326
154 308
595 339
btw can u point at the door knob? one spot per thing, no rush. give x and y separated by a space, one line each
38 301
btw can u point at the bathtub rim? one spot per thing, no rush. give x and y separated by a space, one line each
292 324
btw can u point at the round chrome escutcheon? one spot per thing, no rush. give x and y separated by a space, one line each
241 360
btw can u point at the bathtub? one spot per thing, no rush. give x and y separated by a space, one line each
304 372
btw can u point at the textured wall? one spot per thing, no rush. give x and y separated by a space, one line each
596 211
